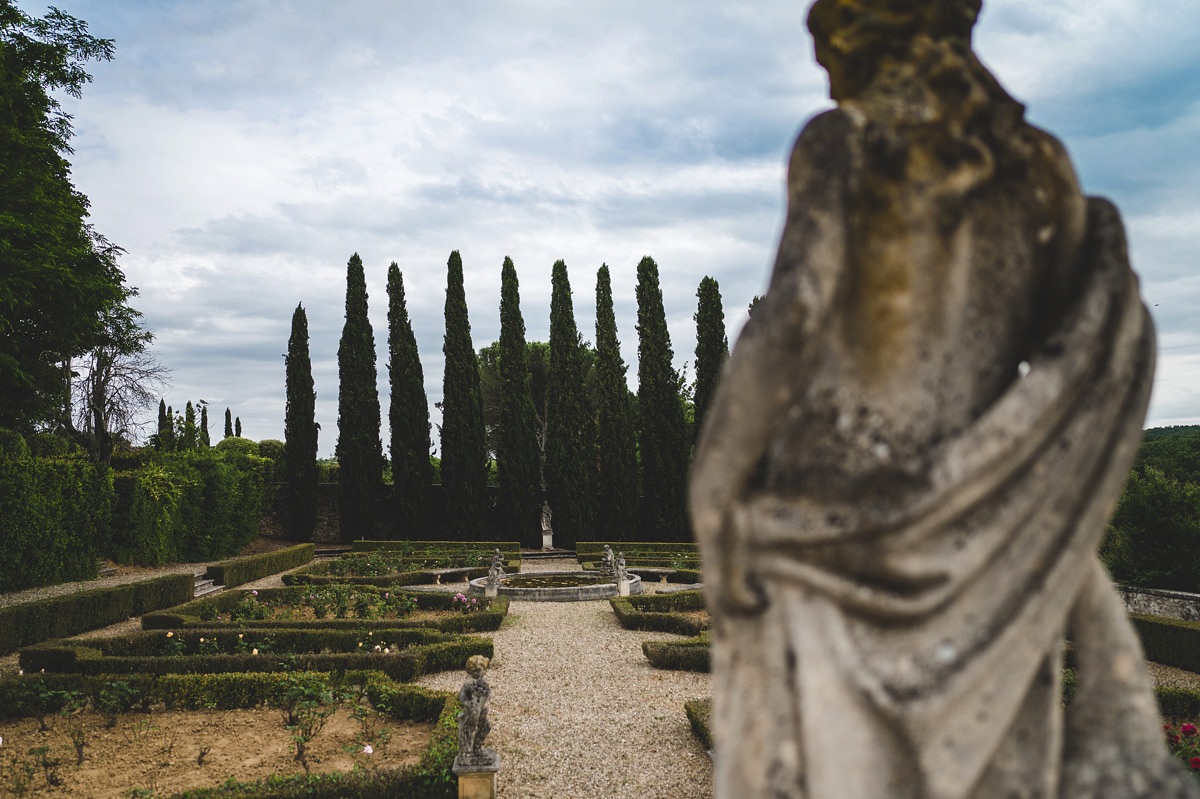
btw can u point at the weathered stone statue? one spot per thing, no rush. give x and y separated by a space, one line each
547 529
619 568
607 566
496 570
911 457
473 726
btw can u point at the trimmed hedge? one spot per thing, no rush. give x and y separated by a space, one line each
699 713
254 567
429 778
315 575
657 612
1172 642
508 548
690 655
58 617
191 614
55 518
79 657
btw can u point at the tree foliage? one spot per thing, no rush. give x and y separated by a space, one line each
663 438
1154 537
359 451
464 458
57 276
228 424
408 414
617 472
570 426
299 432
237 427
712 347
518 453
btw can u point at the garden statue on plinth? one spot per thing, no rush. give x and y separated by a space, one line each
911 456
607 566
621 574
547 530
495 573
475 766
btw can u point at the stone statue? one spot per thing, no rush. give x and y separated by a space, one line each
473 726
619 568
496 570
918 439
607 567
546 515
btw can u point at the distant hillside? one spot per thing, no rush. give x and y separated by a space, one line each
1175 451
1174 431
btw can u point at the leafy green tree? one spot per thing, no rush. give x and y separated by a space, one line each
663 437
359 451
237 427
228 424
408 413
300 431
570 423
712 347
464 458
617 472
58 277
518 454
1154 537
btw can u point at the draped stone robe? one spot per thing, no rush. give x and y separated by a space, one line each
905 476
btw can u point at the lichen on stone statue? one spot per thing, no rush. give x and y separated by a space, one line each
473 725
496 570
912 454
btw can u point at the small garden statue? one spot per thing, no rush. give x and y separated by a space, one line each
473 726
496 570
607 564
547 530
619 568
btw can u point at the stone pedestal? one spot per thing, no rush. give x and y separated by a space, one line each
547 540
490 591
477 776
622 588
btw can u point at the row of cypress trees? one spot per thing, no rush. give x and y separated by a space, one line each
589 445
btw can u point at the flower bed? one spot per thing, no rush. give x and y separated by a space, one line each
682 612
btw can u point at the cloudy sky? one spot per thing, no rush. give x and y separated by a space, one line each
242 150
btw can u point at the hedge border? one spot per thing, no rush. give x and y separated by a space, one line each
692 654
312 576
1171 642
237 571
61 616
371 545
699 714
641 613
187 615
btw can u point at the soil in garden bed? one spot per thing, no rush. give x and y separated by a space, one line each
160 751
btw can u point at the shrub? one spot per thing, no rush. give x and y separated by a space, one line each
699 713
659 612
236 445
254 567
690 655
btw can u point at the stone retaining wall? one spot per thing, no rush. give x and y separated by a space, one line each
1157 602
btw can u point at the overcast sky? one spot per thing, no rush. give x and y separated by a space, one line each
242 150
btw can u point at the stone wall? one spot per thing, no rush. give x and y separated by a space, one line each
1156 602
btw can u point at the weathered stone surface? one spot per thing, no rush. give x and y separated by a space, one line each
1157 602
473 725
915 447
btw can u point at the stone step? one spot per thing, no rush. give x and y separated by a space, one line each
205 586
540 554
103 569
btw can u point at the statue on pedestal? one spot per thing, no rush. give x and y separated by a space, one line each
911 456
473 726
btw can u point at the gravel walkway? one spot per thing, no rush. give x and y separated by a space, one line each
578 712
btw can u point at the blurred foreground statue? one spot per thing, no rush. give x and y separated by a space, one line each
914 449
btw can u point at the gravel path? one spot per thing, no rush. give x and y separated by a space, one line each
578 712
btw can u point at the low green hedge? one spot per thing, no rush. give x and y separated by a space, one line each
317 574
79 657
430 778
657 612
640 547
1172 642
699 713
198 613
507 548
61 616
237 571
690 655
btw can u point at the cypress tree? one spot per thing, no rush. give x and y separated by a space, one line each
408 414
299 432
237 427
663 440
163 436
712 347
518 455
464 455
204 440
172 442
570 426
617 483
358 450
188 440
228 424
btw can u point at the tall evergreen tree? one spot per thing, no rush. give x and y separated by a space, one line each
237 427
204 440
570 425
712 347
518 455
163 436
464 455
299 432
188 438
359 452
617 472
663 435
408 414
228 424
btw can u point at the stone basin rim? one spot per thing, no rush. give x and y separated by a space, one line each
566 593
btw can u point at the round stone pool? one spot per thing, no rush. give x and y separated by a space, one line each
556 586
